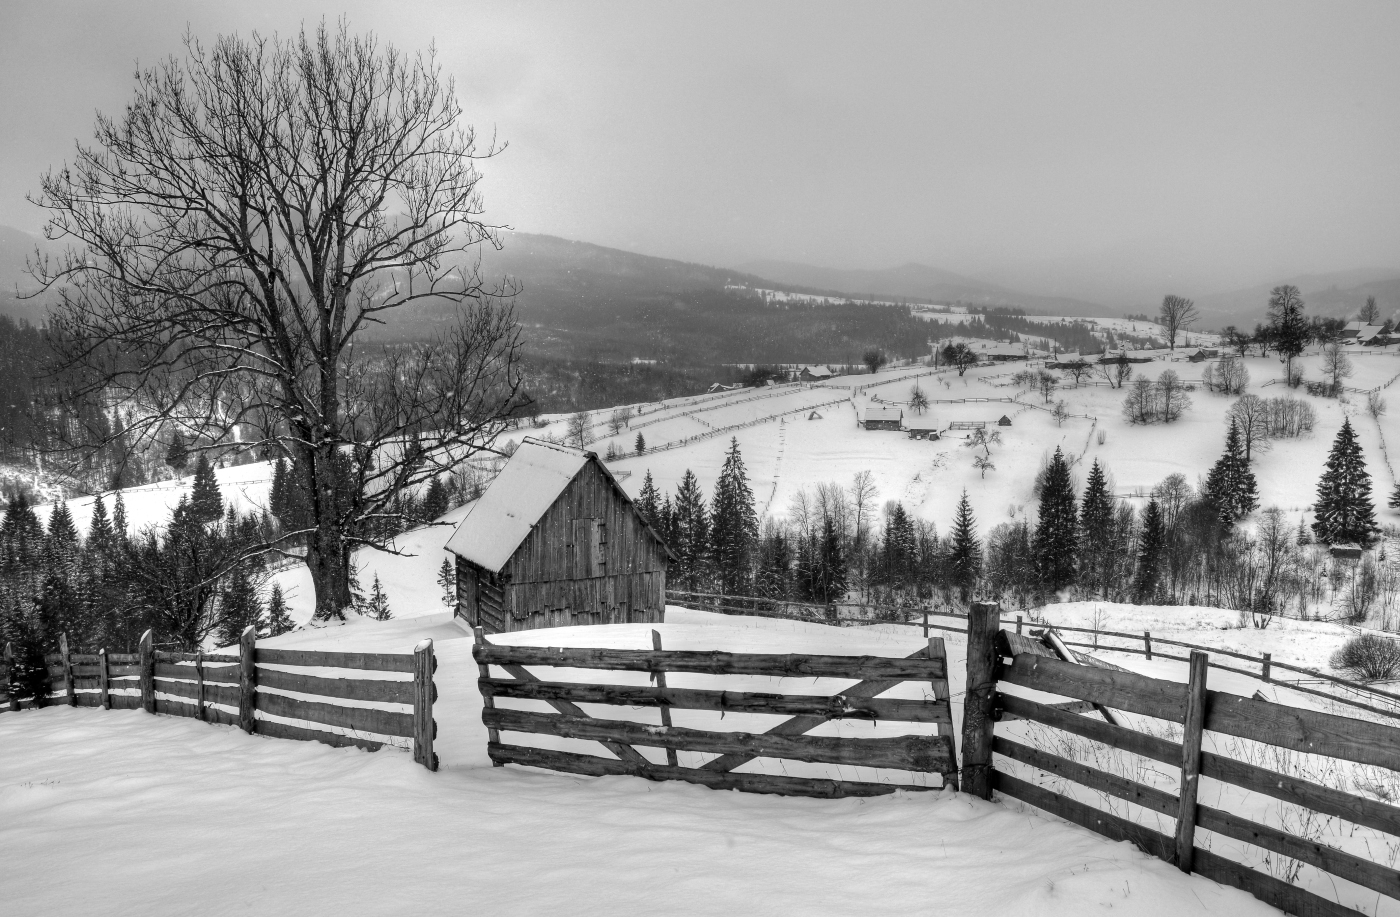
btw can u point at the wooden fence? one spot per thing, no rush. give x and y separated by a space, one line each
996 657
787 740
234 689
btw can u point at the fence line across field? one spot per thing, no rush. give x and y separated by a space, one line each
233 689
829 614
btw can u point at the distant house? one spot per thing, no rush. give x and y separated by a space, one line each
555 541
1002 353
721 387
882 418
1346 551
814 373
1201 354
921 427
1070 358
1004 422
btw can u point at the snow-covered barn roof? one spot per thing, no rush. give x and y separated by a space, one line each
882 413
820 372
927 422
527 486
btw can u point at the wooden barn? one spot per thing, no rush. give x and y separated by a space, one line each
555 541
878 417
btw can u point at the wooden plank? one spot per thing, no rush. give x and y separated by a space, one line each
835 707
979 699
287 731
1120 690
87 671
493 737
124 658
791 665
168 707
126 701
1303 730
1014 644
372 662
216 658
424 694
214 694
593 766
1128 740
248 679
623 751
78 659
911 753
1288 898
361 719
1191 734
1118 787
365 689
660 678
224 674
121 671
1358 810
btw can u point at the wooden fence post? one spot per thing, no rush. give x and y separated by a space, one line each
493 736
247 679
980 698
424 693
104 688
199 683
1268 661
67 664
925 623
148 673
1018 624
1191 759
1147 642
660 677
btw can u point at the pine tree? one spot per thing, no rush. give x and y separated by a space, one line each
1056 528
238 608
1344 512
640 446
898 550
774 578
965 554
733 526
278 620
1096 529
1288 328
61 541
648 503
1230 486
435 500
832 569
447 582
1395 497
206 505
100 529
178 455
1149 560
666 522
692 534
378 602
120 531
1304 536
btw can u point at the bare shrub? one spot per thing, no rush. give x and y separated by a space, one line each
1368 657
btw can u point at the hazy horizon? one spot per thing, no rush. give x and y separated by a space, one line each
1096 150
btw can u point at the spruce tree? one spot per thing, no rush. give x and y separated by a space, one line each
178 455
898 550
775 566
640 446
278 620
100 528
121 532
61 541
692 534
1344 512
1149 561
206 505
1395 497
830 569
1056 528
1230 486
238 608
447 582
435 500
1096 529
733 526
378 602
965 554
648 503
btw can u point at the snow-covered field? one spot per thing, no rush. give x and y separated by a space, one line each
164 816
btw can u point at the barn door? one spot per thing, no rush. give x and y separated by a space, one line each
490 603
588 548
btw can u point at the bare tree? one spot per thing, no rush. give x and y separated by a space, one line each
1370 313
1177 314
1078 370
959 356
1060 413
230 238
918 401
579 431
1375 405
1141 404
1172 399
1336 366
1046 383
1116 370
1251 415
863 494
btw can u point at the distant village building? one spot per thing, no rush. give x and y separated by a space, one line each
555 541
1346 551
921 427
1004 422
814 373
1201 354
1002 353
882 418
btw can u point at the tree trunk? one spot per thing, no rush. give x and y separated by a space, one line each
329 562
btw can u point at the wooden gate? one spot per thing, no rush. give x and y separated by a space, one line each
873 675
996 657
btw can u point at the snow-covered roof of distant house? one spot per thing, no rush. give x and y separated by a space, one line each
1003 350
882 413
818 371
1074 356
527 486
1365 332
926 422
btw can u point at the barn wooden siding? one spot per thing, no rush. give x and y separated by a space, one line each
588 560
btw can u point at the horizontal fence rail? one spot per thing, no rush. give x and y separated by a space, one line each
1198 710
788 740
258 689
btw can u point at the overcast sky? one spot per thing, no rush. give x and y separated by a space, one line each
1111 147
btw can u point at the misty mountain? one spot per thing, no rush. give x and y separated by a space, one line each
1340 294
15 246
918 282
